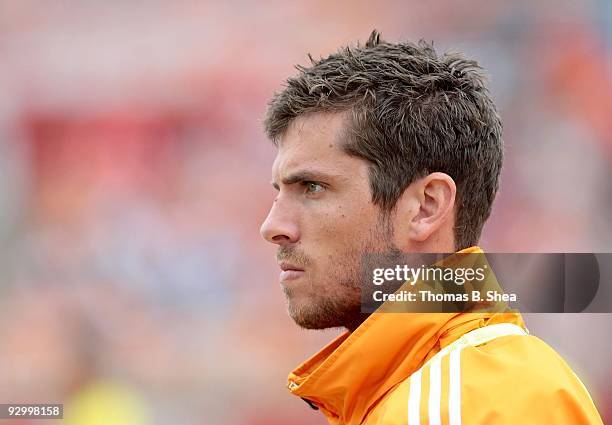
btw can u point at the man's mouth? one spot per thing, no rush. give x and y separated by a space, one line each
290 272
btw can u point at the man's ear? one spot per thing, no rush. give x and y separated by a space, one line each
434 202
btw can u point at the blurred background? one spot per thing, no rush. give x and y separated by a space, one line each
134 175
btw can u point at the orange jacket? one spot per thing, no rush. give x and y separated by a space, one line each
442 368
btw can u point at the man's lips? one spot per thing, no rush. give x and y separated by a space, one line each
290 272
288 266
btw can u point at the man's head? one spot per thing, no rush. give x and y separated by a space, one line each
383 147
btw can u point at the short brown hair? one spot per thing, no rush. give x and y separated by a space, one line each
411 112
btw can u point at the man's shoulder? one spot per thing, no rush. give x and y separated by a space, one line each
524 359
520 377
511 379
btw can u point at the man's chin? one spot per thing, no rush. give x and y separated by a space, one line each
324 317
312 323
308 316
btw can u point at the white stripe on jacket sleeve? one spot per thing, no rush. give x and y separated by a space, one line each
414 399
435 391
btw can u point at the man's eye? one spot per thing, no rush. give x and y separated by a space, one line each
312 187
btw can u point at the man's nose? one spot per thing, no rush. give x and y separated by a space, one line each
280 226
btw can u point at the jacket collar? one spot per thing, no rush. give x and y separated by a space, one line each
356 369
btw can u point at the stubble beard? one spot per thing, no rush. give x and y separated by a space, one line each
340 305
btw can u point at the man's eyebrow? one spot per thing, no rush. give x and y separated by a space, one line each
304 175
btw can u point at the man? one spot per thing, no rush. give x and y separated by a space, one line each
394 148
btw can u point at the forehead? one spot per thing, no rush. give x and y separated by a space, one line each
312 141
